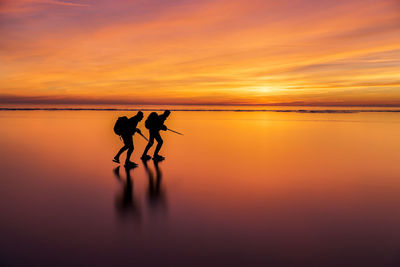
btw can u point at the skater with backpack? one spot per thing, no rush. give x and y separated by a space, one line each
155 123
126 128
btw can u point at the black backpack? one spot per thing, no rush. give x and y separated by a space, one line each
121 125
151 120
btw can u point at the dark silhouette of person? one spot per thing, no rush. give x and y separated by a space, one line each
127 138
156 196
125 203
155 123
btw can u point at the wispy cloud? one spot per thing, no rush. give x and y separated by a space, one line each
25 6
216 51
62 3
53 2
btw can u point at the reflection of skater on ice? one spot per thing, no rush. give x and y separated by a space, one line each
156 194
125 202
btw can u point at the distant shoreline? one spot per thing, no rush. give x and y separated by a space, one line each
207 110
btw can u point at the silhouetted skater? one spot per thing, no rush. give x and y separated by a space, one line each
155 123
126 128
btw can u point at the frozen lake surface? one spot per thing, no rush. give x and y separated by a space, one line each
238 189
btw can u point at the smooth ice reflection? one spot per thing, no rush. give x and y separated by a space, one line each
238 189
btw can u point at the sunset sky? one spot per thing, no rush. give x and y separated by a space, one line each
306 52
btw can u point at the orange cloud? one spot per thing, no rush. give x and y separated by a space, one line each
224 52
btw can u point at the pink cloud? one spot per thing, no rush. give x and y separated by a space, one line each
56 2
25 6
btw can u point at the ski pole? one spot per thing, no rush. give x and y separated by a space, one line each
174 131
144 137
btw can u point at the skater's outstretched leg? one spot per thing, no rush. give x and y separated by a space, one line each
149 145
129 144
116 158
158 147
128 155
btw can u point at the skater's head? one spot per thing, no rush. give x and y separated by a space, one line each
166 113
139 115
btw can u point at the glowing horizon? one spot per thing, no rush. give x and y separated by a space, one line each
200 52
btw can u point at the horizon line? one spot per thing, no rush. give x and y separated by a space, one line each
292 104
209 110
57 100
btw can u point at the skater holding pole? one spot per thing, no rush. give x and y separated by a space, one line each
155 123
126 128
